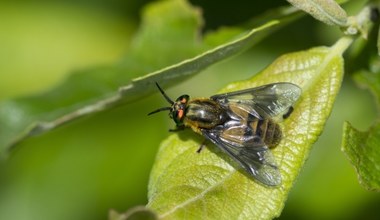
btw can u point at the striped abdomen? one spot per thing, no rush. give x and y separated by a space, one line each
268 130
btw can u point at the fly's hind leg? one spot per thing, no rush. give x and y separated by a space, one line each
287 114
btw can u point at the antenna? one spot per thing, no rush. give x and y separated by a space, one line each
163 93
160 110
167 99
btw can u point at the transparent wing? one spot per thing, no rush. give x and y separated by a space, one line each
249 151
270 100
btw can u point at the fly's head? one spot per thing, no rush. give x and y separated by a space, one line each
177 110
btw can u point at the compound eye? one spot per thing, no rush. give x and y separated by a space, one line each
183 99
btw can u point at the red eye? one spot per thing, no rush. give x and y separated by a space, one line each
183 100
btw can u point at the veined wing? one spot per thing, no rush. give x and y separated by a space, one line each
249 151
269 100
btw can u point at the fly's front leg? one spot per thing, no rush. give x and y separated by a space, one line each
178 128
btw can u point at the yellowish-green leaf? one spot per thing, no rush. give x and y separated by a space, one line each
327 11
187 185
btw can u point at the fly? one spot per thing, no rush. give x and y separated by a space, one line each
243 124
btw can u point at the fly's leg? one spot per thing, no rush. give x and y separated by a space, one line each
287 114
178 128
203 144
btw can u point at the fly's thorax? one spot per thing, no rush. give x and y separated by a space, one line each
204 113
268 130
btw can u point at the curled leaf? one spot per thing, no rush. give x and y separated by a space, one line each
184 184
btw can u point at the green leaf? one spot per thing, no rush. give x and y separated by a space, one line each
184 184
327 11
174 24
189 67
362 148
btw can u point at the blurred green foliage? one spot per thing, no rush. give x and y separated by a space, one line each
84 169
